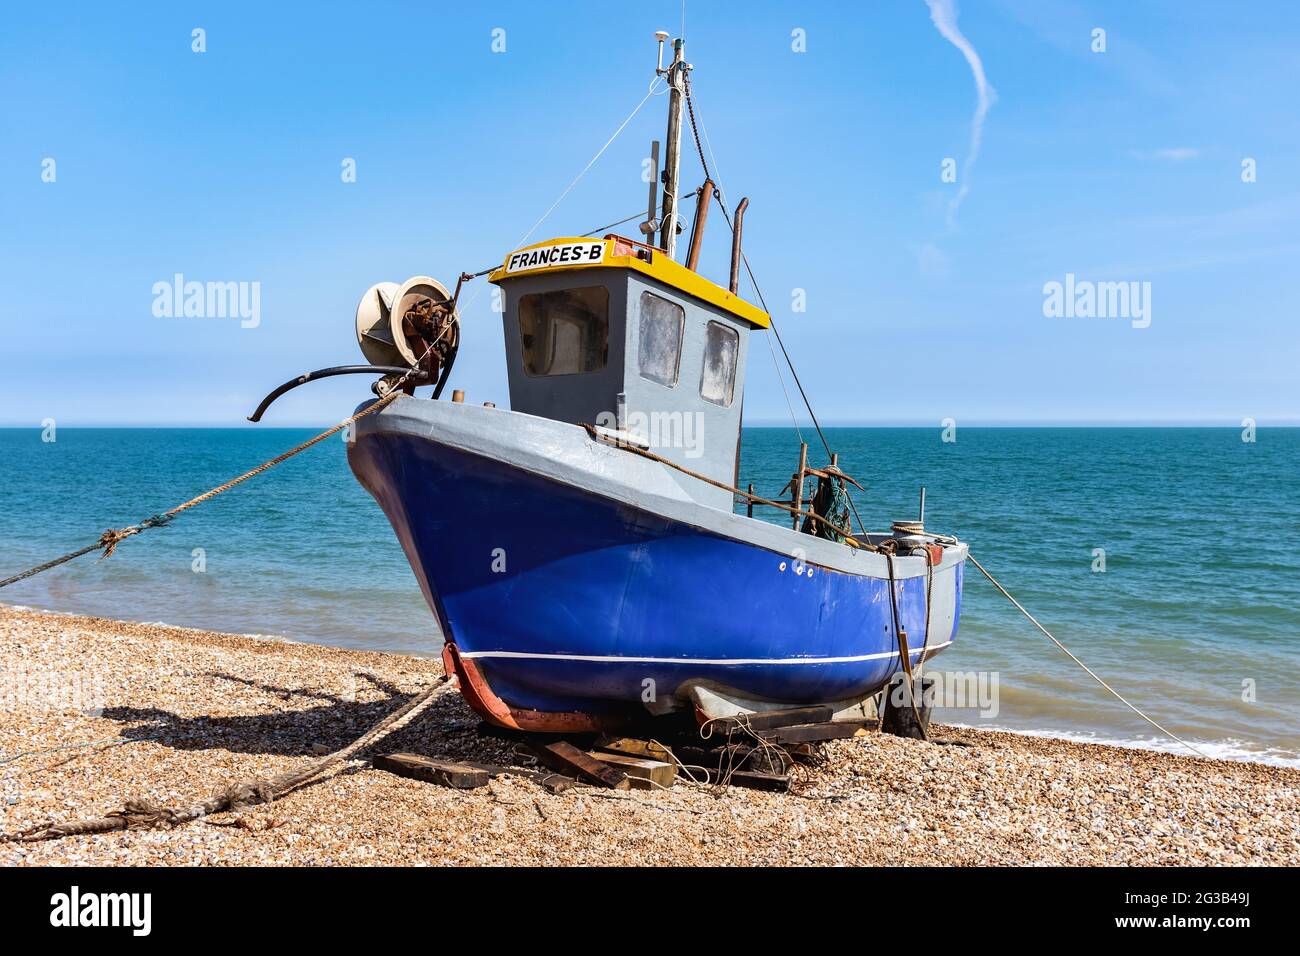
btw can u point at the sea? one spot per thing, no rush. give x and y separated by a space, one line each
1164 558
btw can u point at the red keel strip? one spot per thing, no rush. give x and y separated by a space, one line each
480 697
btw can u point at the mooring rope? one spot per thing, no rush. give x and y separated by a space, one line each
110 539
143 814
904 652
1120 697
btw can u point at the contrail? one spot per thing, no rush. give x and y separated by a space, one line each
944 15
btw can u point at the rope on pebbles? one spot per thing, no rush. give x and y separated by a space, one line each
142 814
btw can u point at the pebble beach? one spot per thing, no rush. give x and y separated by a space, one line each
94 712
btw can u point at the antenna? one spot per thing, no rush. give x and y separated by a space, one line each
662 37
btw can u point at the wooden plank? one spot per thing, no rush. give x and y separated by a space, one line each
443 772
803 752
750 779
643 774
737 756
631 747
805 733
767 719
565 758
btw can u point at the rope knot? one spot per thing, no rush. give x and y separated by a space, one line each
140 814
247 793
110 539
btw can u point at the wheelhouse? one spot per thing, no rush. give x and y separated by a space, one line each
616 334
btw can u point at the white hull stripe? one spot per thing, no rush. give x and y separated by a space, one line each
720 661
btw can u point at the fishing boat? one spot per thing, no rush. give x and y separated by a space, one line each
589 554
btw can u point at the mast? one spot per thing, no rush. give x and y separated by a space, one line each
676 76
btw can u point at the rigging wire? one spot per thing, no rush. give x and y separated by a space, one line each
726 215
636 215
721 196
651 91
592 162
695 132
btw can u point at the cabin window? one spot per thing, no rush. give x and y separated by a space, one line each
565 332
659 349
718 380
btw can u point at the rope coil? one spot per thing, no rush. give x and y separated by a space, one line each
110 539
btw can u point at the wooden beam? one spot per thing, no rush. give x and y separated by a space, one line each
467 774
806 733
565 758
740 756
750 779
642 774
765 719
443 772
631 747
777 783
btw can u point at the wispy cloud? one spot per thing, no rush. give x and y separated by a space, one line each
931 261
1172 154
944 15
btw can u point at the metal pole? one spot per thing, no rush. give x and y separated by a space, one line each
672 167
737 228
651 224
697 225
797 497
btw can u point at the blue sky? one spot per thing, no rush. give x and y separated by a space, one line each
1124 165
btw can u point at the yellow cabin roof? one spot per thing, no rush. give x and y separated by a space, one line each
579 252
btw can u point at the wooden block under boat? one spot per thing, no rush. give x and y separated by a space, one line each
805 733
467 774
631 747
643 774
443 772
565 758
750 779
737 756
767 719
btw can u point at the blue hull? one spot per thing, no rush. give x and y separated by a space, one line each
570 601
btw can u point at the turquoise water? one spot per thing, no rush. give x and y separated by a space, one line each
1199 602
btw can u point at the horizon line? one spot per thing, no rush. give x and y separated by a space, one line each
763 423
